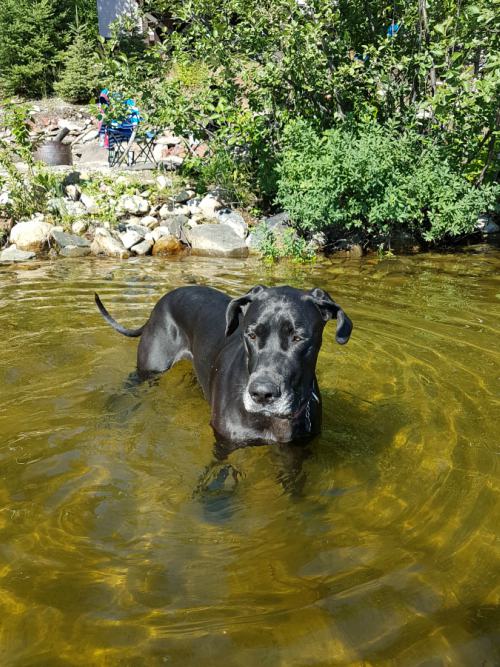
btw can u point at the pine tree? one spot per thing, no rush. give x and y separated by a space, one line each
81 68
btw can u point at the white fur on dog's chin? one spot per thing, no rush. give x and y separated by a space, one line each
280 408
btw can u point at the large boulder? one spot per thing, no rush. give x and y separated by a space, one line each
63 239
216 241
105 244
12 254
31 235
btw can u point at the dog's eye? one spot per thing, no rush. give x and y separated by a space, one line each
296 338
252 335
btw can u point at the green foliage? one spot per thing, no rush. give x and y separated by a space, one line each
375 179
81 75
34 34
29 192
282 243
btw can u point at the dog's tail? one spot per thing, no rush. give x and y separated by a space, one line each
133 333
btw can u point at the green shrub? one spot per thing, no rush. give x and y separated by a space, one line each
375 179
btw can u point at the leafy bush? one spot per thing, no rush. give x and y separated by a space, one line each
28 193
375 179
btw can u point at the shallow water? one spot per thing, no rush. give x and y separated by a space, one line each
119 545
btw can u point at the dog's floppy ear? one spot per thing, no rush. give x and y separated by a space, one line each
329 309
235 306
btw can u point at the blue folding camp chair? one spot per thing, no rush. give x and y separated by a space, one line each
116 135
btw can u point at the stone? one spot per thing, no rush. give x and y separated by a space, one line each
131 238
89 136
150 221
70 124
105 244
486 225
79 226
31 235
5 198
73 192
133 204
143 247
76 209
168 210
167 245
74 251
63 239
164 182
318 241
216 241
233 220
209 206
12 254
140 229
253 243
182 197
89 203
278 220
157 233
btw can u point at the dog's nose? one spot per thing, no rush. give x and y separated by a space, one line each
264 392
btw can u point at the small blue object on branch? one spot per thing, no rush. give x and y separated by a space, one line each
393 30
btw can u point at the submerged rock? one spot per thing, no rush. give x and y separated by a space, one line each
74 251
12 254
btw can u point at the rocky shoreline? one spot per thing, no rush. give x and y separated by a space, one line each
146 222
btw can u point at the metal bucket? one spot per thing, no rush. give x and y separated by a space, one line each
54 153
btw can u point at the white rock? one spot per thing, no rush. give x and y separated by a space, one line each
133 204
209 206
90 136
130 238
73 192
105 244
79 227
143 247
5 198
216 240
31 235
233 220
164 182
70 124
150 221
89 203
157 233
12 254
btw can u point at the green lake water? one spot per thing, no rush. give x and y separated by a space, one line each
381 547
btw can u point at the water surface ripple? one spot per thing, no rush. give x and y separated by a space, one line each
123 543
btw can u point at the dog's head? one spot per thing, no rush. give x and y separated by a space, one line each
282 331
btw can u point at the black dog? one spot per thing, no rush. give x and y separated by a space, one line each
255 356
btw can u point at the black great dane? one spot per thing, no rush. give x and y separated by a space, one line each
254 356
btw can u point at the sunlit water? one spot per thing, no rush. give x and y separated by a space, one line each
380 547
